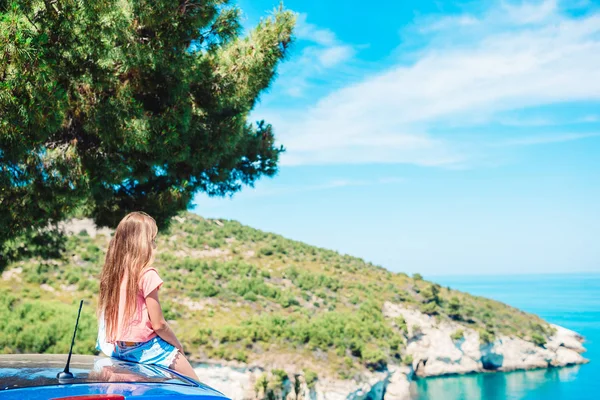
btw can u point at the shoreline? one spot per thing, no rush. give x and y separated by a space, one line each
487 372
396 383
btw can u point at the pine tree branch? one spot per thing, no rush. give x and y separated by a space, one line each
31 22
50 7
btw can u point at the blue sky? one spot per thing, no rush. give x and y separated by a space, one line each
438 137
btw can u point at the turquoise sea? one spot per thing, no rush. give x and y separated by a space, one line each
572 301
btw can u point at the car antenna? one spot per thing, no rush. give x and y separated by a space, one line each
65 375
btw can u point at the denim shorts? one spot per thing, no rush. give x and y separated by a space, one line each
155 351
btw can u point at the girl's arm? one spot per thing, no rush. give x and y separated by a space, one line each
159 324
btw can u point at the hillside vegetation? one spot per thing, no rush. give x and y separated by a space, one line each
237 293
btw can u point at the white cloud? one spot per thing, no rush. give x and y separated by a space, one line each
337 183
547 120
308 31
272 190
546 139
589 119
321 52
527 13
333 56
442 23
513 57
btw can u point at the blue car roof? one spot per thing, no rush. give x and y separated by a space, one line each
33 376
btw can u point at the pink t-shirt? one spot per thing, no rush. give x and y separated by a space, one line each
140 328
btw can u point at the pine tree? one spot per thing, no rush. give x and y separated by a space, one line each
110 106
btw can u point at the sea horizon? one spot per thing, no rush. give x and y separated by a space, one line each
516 274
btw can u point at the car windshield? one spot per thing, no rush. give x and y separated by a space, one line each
30 370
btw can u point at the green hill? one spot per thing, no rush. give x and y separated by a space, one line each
237 293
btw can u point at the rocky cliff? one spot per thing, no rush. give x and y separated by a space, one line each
436 352
434 349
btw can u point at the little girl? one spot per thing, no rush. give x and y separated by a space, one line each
130 314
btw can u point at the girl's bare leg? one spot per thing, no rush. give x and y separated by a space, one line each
182 365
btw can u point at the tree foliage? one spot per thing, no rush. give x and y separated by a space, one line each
121 105
454 308
431 299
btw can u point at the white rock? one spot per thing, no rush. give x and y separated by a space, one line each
238 384
46 287
439 353
13 273
398 387
566 357
326 389
74 226
470 345
566 338
235 384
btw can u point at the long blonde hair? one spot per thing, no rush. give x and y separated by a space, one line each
131 251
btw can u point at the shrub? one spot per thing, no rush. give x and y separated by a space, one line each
241 356
265 274
89 284
395 343
308 281
206 288
288 300
73 277
401 324
255 285
311 378
407 359
280 376
38 273
485 336
250 296
430 294
216 243
91 253
203 336
538 339
261 384
417 277
291 273
454 308
348 362
36 326
229 334
170 310
458 335
266 251
374 358
429 308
